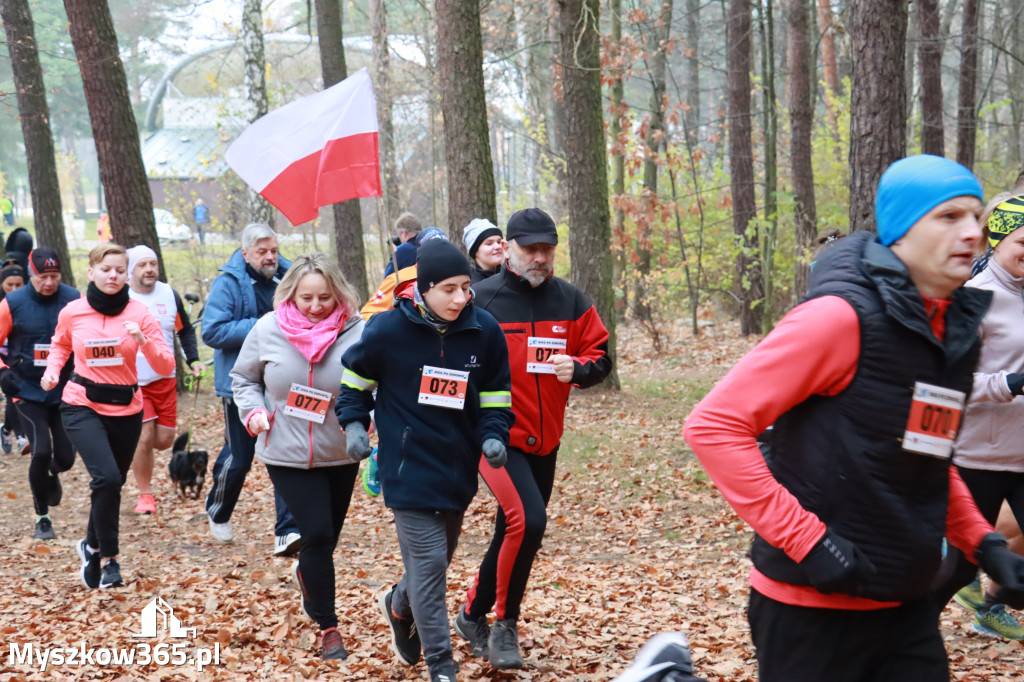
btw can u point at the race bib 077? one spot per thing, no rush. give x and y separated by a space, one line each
934 420
307 403
40 352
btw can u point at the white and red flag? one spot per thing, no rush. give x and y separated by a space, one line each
316 151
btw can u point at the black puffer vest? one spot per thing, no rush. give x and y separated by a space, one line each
842 456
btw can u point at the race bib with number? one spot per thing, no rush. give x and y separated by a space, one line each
307 403
934 420
103 352
539 350
443 387
40 352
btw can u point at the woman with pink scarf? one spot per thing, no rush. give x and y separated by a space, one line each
285 383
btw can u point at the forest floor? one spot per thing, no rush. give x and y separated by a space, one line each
638 543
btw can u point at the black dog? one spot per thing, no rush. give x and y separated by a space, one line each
187 467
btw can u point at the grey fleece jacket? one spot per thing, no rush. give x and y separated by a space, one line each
992 434
266 368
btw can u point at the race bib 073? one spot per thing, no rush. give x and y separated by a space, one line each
934 420
443 387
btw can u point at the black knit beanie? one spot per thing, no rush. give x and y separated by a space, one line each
436 261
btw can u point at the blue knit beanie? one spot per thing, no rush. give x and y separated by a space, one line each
915 185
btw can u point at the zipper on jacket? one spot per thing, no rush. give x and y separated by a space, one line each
311 423
405 436
536 379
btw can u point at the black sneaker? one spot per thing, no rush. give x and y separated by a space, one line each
111 576
90 570
56 492
333 649
476 632
405 640
444 672
44 530
503 645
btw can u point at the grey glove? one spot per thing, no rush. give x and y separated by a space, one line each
358 442
494 453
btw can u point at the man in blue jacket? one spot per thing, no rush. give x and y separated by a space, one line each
238 298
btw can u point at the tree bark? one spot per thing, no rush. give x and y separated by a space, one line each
966 121
586 156
260 210
741 161
617 91
467 144
879 109
932 136
656 58
34 113
801 116
129 200
829 66
392 203
771 180
692 114
348 220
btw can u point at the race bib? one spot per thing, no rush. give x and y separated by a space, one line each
40 352
443 387
934 420
307 403
539 350
103 352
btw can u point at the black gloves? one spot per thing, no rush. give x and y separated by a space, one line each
836 565
1015 382
8 381
494 453
357 442
1004 567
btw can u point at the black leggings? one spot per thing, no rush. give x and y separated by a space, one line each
989 489
12 423
523 488
106 446
318 500
52 451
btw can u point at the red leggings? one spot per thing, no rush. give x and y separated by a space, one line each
523 488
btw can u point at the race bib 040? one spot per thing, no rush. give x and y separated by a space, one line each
443 387
934 420
103 352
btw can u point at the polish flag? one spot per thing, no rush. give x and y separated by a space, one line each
316 151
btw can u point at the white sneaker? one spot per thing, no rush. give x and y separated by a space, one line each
222 532
287 545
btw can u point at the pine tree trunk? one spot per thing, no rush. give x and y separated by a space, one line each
801 116
966 122
932 135
741 161
348 221
467 143
771 182
656 57
585 154
35 128
830 68
126 189
260 210
617 91
692 115
391 183
879 109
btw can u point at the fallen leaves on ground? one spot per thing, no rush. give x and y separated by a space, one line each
638 543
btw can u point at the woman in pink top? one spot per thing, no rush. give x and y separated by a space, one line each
101 406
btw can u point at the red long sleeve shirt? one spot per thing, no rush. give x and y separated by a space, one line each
814 350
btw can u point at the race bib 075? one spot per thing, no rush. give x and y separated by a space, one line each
539 350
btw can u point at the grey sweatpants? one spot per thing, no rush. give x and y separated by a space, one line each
428 540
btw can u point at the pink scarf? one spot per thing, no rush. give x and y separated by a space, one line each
312 339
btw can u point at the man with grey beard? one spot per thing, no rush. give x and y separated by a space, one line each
241 295
555 341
